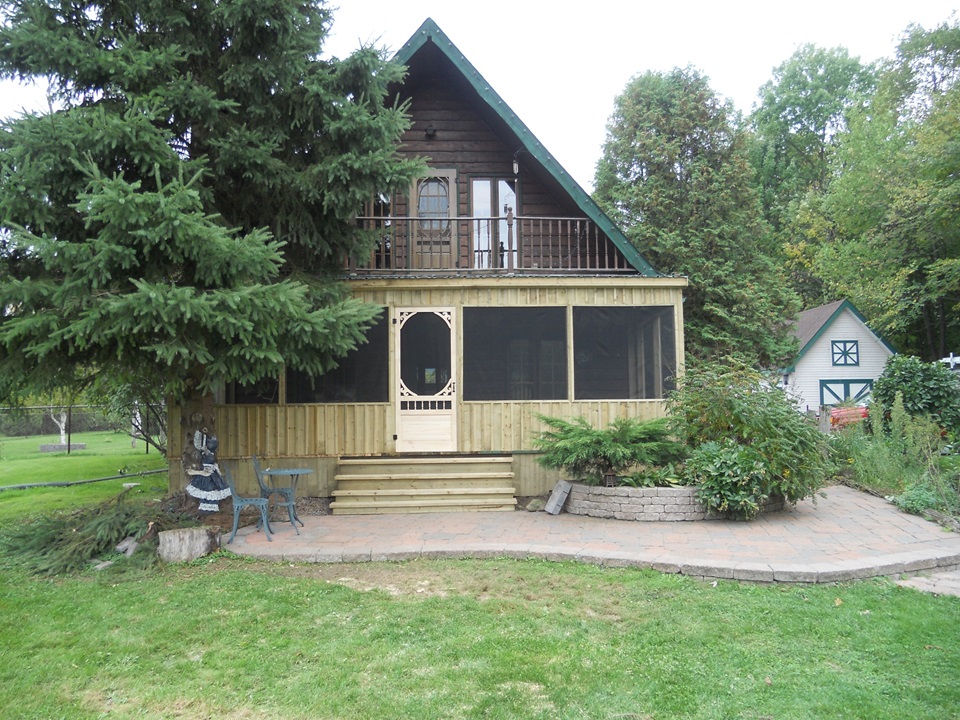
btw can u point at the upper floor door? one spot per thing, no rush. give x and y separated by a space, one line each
434 203
493 203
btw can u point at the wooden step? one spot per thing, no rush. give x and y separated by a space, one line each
411 492
411 484
420 505
422 480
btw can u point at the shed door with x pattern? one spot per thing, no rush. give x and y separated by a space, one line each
833 392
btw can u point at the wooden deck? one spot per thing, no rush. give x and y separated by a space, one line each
413 484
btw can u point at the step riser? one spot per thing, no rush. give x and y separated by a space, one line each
417 485
413 468
387 510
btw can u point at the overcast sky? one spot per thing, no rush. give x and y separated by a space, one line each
559 65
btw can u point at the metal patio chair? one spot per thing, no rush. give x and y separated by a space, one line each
240 502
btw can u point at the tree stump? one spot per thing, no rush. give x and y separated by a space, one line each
186 544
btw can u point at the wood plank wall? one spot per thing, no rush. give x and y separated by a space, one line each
312 434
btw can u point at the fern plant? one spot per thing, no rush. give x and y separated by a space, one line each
589 454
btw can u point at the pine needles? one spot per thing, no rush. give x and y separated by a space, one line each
66 543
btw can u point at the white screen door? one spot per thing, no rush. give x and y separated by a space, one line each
426 386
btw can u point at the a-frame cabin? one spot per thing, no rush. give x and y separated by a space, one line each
507 294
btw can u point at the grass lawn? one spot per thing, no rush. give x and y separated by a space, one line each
228 637
106 455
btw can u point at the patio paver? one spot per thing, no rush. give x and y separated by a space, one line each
846 535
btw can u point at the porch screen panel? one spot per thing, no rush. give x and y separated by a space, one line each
362 376
262 392
514 354
623 353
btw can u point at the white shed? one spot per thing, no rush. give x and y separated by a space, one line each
839 358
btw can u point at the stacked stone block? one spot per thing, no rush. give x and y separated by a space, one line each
655 504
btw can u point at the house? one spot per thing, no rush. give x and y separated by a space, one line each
839 357
507 294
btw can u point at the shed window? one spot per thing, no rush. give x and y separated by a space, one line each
362 375
624 353
514 354
845 352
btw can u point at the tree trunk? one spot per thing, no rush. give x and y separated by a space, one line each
59 418
196 415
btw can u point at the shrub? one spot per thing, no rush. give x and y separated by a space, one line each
589 454
732 478
888 456
917 498
730 404
928 389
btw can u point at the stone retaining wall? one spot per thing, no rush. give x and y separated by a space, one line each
656 504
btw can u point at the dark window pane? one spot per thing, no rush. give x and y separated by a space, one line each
623 353
514 354
362 376
263 392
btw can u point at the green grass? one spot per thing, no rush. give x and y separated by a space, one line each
104 442
19 504
225 637
107 454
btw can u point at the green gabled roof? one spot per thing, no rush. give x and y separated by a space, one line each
430 32
813 323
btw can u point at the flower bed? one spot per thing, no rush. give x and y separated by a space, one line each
654 504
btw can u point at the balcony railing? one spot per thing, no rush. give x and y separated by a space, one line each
517 244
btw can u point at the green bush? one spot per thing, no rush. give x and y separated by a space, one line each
917 498
731 404
732 478
928 389
589 454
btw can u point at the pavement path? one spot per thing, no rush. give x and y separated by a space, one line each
846 535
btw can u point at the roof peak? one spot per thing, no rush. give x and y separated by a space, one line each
430 32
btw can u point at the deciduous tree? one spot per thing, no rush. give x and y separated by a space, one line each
893 208
675 173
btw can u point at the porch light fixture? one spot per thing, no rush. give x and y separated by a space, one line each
430 131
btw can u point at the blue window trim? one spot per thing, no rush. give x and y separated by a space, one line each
845 353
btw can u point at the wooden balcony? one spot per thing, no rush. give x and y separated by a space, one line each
501 245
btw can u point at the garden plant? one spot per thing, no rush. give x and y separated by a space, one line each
747 440
592 455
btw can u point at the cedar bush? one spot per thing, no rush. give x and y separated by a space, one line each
588 454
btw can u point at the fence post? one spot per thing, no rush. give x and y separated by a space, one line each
69 427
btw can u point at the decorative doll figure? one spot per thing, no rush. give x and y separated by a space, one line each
206 483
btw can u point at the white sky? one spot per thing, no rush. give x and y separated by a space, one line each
559 64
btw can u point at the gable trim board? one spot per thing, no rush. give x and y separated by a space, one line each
430 32
838 391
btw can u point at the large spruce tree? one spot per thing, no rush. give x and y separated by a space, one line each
178 219
675 173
